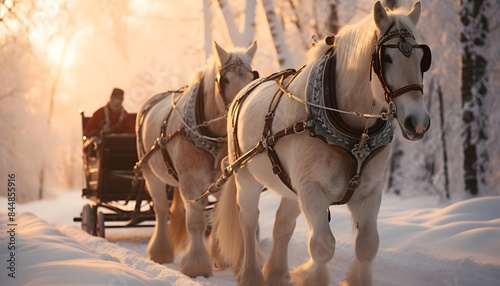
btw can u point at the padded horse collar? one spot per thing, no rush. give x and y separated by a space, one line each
201 136
330 127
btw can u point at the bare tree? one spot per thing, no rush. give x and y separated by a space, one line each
207 28
330 21
474 38
275 26
246 36
443 142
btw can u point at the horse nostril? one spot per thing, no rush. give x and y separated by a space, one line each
415 126
410 123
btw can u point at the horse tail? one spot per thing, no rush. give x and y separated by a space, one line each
178 230
228 233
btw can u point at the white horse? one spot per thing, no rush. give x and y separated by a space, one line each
188 126
352 114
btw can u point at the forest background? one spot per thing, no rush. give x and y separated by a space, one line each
60 56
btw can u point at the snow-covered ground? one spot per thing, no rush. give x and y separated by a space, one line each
423 242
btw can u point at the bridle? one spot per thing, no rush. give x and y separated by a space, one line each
226 67
405 48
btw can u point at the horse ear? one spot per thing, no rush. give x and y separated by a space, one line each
415 13
221 53
252 49
380 16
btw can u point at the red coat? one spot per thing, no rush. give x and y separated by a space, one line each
118 122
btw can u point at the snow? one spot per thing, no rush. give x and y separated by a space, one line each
423 242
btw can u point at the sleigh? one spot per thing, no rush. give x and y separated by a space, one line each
117 197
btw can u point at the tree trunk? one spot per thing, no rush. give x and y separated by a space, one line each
276 28
397 154
328 25
246 36
443 143
207 20
474 90
332 21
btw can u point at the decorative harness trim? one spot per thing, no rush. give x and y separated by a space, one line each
194 129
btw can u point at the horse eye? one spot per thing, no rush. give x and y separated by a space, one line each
240 71
387 59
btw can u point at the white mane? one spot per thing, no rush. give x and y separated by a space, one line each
354 43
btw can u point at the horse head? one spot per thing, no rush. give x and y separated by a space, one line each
234 71
399 63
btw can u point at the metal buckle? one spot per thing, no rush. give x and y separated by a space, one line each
391 113
270 141
354 182
276 169
299 131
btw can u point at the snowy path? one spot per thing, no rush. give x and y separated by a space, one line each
422 243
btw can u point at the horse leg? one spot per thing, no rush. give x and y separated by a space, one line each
178 229
160 248
364 214
314 204
276 268
248 196
196 261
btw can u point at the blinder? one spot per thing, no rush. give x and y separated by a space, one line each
406 49
425 64
255 75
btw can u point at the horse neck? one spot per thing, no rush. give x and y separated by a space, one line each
213 109
354 91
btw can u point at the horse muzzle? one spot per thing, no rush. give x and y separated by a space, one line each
414 128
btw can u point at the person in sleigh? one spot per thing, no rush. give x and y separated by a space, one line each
111 118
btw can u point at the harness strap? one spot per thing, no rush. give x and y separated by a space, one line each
161 141
262 145
296 128
407 88
241 159
228 171
142 115
199 109
272 139
239 101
